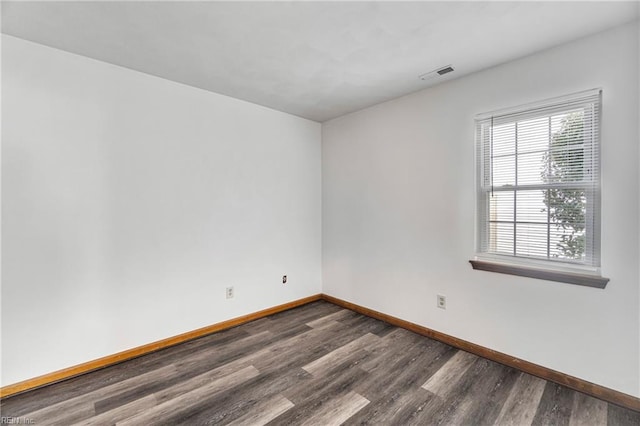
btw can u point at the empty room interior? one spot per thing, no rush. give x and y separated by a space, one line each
320 213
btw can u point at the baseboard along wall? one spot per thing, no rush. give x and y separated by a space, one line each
604 393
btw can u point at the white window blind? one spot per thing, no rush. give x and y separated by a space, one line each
538 181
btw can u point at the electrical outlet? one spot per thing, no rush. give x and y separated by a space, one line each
442 302
284 279
229 292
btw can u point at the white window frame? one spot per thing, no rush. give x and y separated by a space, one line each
583 273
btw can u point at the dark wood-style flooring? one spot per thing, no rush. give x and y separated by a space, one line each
314 365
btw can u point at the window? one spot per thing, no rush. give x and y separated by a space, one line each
538 190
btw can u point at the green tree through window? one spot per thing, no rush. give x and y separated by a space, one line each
567 205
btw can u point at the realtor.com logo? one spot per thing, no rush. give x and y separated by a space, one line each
8 420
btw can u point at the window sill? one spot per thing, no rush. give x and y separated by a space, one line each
542 274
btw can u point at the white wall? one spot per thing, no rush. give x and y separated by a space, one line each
398 215
130 202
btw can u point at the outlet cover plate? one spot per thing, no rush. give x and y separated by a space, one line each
442 301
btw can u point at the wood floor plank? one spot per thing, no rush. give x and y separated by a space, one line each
313 311
300 349
367 325
121 412
483 399
61 416
264 412
176 401
522 403
454 402
320 341
260 342
109 402
283 358
229 406
335 380
276 377
258 326
384 329
588 411
82 407
618 416
455 414
201 361
403 368
336 411
292 357
222 375
555 406
336 316
411 415
312 339
446 377
335 357
311 394
392 408
191 366
390 348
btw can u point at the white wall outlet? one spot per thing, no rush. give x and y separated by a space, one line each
229 292
442 302
284 279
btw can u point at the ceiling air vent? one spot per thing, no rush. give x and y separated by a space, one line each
445 70
439 71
